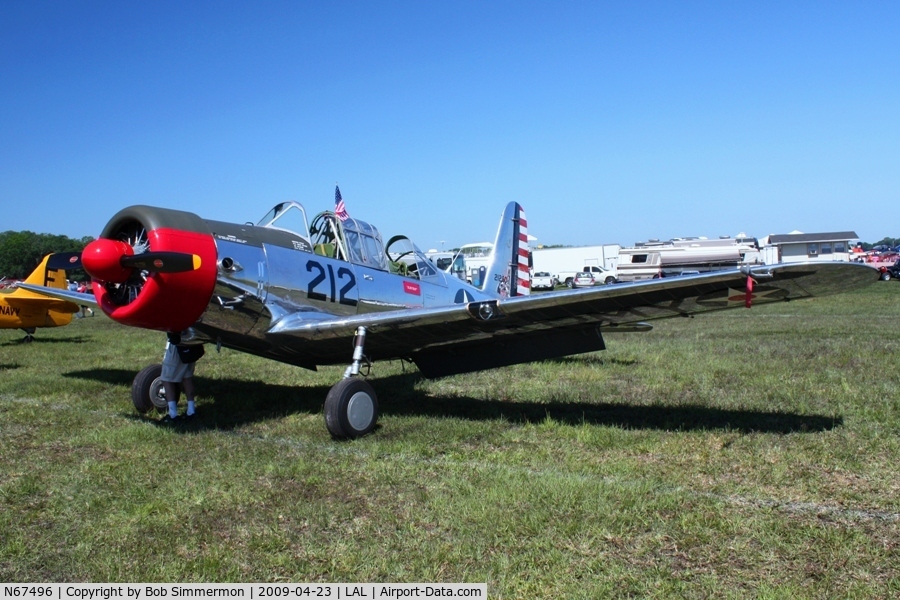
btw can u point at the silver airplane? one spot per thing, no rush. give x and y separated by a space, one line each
301 292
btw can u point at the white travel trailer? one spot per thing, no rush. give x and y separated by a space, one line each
655 259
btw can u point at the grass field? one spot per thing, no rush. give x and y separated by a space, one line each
740 454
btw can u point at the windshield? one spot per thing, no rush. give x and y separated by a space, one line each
408 260
289 216
363 244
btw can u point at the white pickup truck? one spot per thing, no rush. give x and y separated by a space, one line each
542 280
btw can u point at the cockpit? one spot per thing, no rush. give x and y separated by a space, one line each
351 240
406 258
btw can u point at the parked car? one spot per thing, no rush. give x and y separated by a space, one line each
889 272
601 275
582 279
542 280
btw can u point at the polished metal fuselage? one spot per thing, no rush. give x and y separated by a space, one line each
262 278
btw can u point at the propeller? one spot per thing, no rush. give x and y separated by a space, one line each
162 262
114 261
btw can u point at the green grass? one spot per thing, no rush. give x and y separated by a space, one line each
739 454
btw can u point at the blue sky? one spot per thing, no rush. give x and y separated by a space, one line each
610 122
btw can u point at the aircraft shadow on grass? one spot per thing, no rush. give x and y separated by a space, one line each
237 402
592 359
43 340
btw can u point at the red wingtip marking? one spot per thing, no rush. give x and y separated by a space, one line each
748 299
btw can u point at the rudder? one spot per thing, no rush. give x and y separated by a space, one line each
43 275
46 276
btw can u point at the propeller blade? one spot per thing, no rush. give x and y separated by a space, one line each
162 262
64 261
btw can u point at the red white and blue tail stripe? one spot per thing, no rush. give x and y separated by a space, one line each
523 252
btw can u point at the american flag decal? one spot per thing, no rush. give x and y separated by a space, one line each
523 276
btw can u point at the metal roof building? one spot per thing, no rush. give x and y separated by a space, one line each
802 247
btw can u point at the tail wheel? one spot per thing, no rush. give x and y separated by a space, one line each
147 390
351 409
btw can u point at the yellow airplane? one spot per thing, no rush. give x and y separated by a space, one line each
21 309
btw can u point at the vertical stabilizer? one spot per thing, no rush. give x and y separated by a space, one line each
509 274
43 275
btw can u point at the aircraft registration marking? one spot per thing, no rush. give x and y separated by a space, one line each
343 273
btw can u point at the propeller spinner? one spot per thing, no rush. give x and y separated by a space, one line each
112 261
153 268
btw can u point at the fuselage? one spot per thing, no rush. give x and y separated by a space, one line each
16 313
253 275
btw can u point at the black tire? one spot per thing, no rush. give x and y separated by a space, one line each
147 390
610 280
886 276
570 283
351 409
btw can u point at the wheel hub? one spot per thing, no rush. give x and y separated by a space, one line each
158 394
360 410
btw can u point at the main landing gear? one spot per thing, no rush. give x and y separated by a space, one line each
351 407
147 390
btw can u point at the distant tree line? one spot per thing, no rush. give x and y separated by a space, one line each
888 241
22 251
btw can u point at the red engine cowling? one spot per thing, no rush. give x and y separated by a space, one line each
142 296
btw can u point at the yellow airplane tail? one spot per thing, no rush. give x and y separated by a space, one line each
55 278
24 309
49 276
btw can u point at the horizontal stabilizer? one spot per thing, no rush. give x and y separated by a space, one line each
62 294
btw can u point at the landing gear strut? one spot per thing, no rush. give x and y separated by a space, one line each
351 407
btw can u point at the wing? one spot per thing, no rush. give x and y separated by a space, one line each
76 297
482 335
